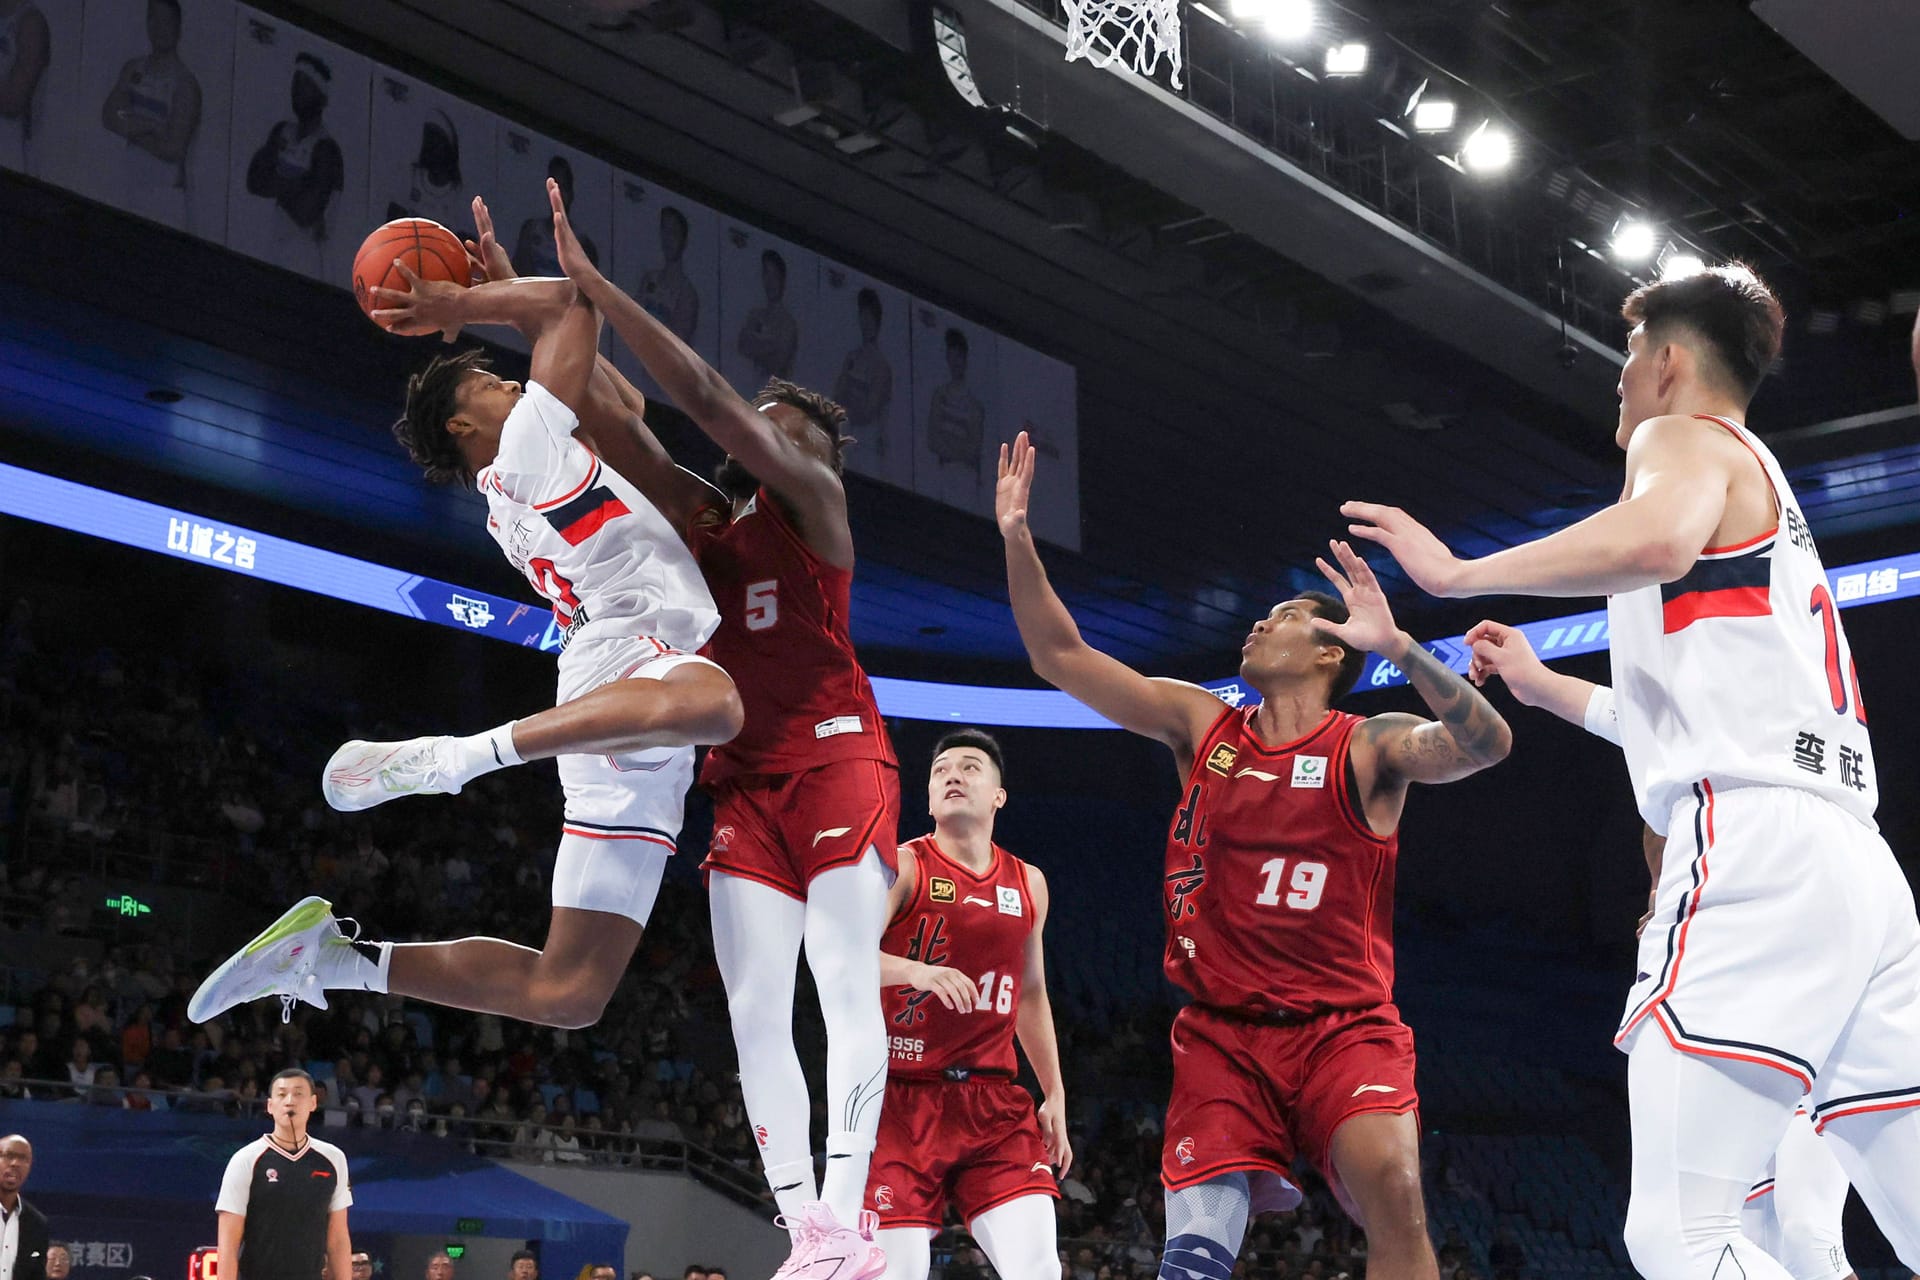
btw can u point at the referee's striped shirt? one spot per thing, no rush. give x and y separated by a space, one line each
286 1198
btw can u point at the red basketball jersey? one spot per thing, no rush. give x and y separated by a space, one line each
1279 895
783 638
978 925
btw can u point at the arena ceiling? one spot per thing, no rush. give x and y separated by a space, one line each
1250 352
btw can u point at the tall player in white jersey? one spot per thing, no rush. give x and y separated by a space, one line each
1783 959
633 697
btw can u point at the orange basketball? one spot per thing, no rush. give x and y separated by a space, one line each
429 249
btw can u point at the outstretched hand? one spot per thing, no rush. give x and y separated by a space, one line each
1504 651
1369 626
1013 493
484 255
425 306
1423 557
573 257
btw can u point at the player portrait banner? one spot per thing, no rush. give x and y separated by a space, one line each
298 155
666 253
1037 396
522 216
155 112
40 47
430 155
769 290
956 395
864 360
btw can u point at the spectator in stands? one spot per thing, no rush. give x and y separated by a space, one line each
604 1271
10 1082
439 1265
523 1266
694 1271
81 1068
362 1264
59 1261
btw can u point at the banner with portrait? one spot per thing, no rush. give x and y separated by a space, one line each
523 216
768 290
155 108
1038 396
298 170
40 48
666 253
431 154
956 395
864 359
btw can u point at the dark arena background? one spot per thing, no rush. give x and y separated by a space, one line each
1370 249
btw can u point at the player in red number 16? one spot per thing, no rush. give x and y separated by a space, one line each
1279 898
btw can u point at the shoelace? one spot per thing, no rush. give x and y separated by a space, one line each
310 981
418 768
808 1236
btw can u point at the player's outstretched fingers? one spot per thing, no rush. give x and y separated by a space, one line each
1332 575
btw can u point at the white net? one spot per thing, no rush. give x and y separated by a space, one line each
1134 33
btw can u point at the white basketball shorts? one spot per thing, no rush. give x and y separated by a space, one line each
622 812
1784 934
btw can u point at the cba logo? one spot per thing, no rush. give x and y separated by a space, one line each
883 1198
273 1175
1221 761
760 1134
1183 1151
941 889
722 837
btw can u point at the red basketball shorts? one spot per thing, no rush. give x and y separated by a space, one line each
1249 1097
975 1142
783 829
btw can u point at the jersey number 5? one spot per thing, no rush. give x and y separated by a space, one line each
763 604
1308 883
1840 684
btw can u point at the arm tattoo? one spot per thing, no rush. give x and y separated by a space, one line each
1478 734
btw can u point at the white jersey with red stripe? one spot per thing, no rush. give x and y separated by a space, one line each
1740 672
602 555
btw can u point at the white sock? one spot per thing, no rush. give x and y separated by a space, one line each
792 1185
483 753
354 966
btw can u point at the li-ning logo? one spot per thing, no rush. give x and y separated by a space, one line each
760 1134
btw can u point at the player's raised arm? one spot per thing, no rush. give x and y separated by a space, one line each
440 306
1678 474
1169 711
614 426
1033 1024
778 460
1467 734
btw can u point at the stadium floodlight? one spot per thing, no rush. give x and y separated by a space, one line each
1489 148
1634 240
1433 115
1348 59
1678 266
1283 19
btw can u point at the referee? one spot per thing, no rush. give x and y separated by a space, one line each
283 1204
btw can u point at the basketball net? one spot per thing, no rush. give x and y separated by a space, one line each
1135 33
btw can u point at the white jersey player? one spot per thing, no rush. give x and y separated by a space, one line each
633 697
1783 957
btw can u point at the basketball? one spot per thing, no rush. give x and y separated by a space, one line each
429 249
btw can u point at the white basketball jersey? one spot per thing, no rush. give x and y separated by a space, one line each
602 555
1740 672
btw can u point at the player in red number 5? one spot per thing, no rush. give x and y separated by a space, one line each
1279 896
807 797
1735 700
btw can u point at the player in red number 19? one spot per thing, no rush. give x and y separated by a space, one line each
1279 898
807 797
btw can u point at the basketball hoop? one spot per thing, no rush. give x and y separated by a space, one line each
1135 33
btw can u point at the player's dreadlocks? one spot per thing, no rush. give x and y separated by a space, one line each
433 397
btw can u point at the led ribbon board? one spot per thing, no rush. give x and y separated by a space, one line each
183 535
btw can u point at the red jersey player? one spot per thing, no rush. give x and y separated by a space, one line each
965 973
807 797
1279 896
